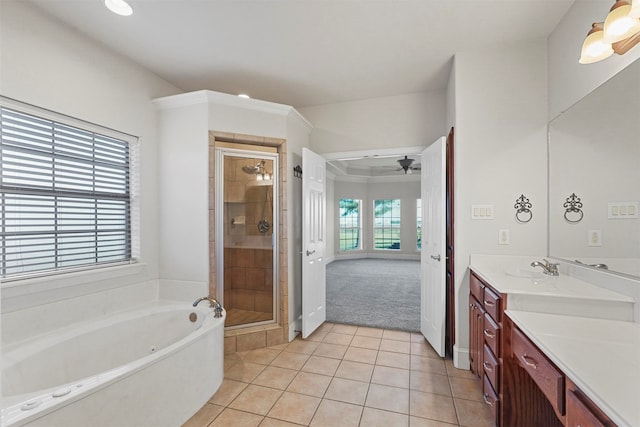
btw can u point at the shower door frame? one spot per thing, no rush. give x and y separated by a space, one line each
220 154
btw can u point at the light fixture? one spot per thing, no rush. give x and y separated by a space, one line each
619 33
594 48
119 7
244 95
405 164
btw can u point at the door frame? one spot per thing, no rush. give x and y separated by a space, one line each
450 316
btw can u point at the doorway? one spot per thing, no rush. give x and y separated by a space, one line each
246 220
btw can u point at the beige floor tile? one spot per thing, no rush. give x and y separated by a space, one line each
396 335
317 336
372 417
428 364
263 356
229 390
355 371
432 406
325 327
394 377
417 337
321 365
452 371
330 350
348 391
394 360
228 363
256 399
344 329
474 414
463 388
279 347
430 383
395 346
369 332
388 398
275 377
272 422
310 384
336 338
204 416
332 414
366 342
423 349
363 355
300 346
244 371
290 360
295 408
232 417
423 422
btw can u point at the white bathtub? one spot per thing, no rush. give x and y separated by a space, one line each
149 367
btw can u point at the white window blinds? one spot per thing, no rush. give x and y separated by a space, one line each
65 199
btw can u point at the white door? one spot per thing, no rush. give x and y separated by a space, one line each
432 258
314 309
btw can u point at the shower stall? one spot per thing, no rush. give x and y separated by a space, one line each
246 218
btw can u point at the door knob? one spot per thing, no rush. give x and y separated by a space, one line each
436 257
310 252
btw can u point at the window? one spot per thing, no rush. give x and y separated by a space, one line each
64 195
386 224
419 224
350 225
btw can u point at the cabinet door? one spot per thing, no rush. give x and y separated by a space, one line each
476 336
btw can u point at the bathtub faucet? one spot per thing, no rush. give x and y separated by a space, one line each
217 307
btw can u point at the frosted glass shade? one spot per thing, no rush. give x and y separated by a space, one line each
594 48
619 25
635 9
119 7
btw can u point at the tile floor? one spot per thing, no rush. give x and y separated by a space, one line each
344 376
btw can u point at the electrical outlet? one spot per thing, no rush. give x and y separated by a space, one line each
503 237
594 238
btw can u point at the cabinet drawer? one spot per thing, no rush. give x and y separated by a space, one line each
476 287
491 303
491 332
491 398
549 379
491 368
579 415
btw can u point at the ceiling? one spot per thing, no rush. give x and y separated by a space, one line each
374 166
307 52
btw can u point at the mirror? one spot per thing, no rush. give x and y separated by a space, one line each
594 154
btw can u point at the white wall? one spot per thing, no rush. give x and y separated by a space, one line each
369 190
403 121
570 81
49 65
500 153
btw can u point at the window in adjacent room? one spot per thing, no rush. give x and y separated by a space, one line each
350 224
419 224
65 193
386 224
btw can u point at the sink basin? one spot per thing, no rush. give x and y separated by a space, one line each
527 274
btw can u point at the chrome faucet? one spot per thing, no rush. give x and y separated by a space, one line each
600 266
213 303
547 267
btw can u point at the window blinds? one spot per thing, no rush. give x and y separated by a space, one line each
65 199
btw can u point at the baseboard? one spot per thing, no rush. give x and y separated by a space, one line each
382 255
461 358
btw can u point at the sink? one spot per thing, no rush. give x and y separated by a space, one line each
526 274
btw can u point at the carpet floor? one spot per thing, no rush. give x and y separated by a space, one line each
379 293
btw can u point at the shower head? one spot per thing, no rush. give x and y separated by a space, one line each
254 170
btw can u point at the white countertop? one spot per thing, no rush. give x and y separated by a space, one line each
602 357
530 290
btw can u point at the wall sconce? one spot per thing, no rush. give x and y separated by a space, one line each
619 32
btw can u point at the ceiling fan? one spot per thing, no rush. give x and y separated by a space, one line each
407 166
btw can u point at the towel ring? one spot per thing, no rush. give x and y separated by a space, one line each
523 209
573 209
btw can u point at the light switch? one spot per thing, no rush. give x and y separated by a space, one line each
481 211
622 210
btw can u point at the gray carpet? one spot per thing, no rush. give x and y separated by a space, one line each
378 293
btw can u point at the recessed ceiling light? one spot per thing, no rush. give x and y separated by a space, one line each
244 95
120 7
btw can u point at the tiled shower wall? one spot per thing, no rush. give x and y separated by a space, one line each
248 279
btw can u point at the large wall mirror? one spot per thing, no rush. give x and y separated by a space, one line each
594 155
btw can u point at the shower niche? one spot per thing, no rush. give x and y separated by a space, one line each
246 219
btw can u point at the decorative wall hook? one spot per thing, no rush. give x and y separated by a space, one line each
297 171
573 209
523 209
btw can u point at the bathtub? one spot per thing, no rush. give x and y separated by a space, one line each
152 366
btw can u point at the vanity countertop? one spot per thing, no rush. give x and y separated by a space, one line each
602 357
530 290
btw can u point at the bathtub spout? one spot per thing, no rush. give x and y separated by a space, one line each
213 303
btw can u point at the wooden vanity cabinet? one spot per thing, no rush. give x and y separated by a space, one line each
486 307
582 412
